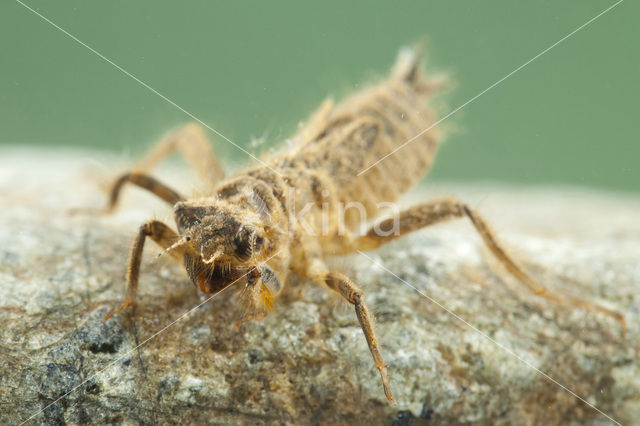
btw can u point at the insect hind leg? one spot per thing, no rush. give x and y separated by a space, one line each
143 181
439 211
191 142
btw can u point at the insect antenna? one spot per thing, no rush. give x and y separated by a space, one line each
179 243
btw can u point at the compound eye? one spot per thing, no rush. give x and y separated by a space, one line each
243 243
257 243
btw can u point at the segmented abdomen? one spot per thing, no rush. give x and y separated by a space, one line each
328 154
343 141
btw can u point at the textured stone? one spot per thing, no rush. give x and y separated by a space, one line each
308 362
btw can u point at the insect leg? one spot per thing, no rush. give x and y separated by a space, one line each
352 294
143 181
434 212
191 141
258 294
164 237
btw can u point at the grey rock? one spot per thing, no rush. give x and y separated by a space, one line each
308 362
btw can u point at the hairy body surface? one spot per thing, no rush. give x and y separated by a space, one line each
287 214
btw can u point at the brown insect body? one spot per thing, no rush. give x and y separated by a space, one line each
285 215
318 172
340 142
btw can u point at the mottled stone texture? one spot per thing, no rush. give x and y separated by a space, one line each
308 362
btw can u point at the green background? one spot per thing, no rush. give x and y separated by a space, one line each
254 69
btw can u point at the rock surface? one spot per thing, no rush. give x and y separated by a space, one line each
308 362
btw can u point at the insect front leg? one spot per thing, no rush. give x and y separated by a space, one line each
164 237
258 294
434 212
341 284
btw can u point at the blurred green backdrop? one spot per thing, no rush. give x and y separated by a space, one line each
254 69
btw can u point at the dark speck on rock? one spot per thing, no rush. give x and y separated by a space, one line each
427 412
254 356
92 387
99 336
404 418
168 384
